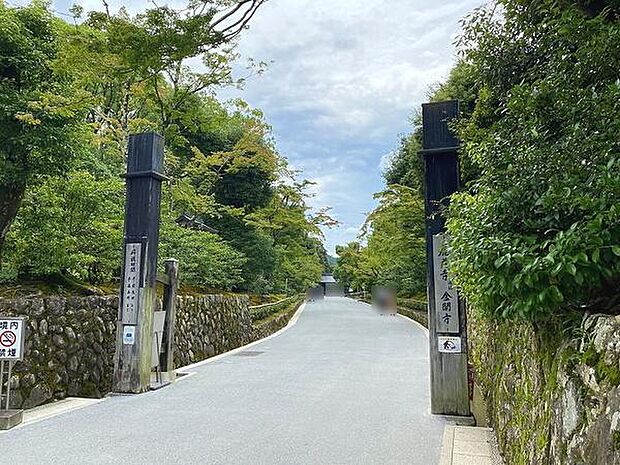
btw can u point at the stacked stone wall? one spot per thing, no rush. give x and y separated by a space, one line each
210 325
264 328
70 341
552 390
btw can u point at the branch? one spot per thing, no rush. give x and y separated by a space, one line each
232 30
230 13
107 8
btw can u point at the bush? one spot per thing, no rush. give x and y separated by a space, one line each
205 259
71 225
540 228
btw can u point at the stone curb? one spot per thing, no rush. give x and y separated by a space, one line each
467 445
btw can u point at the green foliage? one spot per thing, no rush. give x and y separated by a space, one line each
72 93
40 116
256 246
407 167
299 252
540 228
205 259
71 225
395 255
395 251
348 267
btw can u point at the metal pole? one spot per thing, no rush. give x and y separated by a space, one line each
1 383
8 386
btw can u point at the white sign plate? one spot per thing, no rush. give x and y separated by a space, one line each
131 283
12 335
129 335
449 344
446 297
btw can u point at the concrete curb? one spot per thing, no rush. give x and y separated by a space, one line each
185 370
45 411
467 445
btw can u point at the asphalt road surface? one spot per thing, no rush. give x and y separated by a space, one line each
343 386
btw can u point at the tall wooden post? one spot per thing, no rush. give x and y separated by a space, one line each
446 311
132 362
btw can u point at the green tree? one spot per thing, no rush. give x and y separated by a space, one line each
94 82
348 267
40 115
69 225
296 234
395 254
540 227
206 260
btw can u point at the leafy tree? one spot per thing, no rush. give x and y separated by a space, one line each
69 225
406 167
40 117
93 83
301 257
395 255
540 228
348 267
206 260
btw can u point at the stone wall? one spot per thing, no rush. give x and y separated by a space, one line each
70 341
210 325
69 347
551 390
416 315
264 328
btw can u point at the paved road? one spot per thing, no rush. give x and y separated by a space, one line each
343 386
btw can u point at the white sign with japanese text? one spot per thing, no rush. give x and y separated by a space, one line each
446 298
12 334
131 283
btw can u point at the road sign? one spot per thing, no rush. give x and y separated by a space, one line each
12 337
449 345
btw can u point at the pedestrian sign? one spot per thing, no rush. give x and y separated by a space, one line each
11 338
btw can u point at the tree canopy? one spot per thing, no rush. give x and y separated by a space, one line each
539 228
70 95
536 227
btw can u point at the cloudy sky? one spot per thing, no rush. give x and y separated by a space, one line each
346 77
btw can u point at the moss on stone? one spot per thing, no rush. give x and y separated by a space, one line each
604 372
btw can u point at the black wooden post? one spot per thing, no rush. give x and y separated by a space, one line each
132 362
446 311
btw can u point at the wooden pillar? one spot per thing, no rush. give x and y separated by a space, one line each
132 361
166 359
446 311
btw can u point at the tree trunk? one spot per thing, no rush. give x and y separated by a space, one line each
11 196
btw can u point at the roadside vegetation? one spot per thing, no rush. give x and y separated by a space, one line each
535 229
73 89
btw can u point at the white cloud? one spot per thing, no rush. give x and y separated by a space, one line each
346 76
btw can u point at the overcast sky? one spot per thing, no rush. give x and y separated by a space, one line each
346 77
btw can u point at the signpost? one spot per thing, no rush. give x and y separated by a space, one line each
12 337
446 311
132 362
